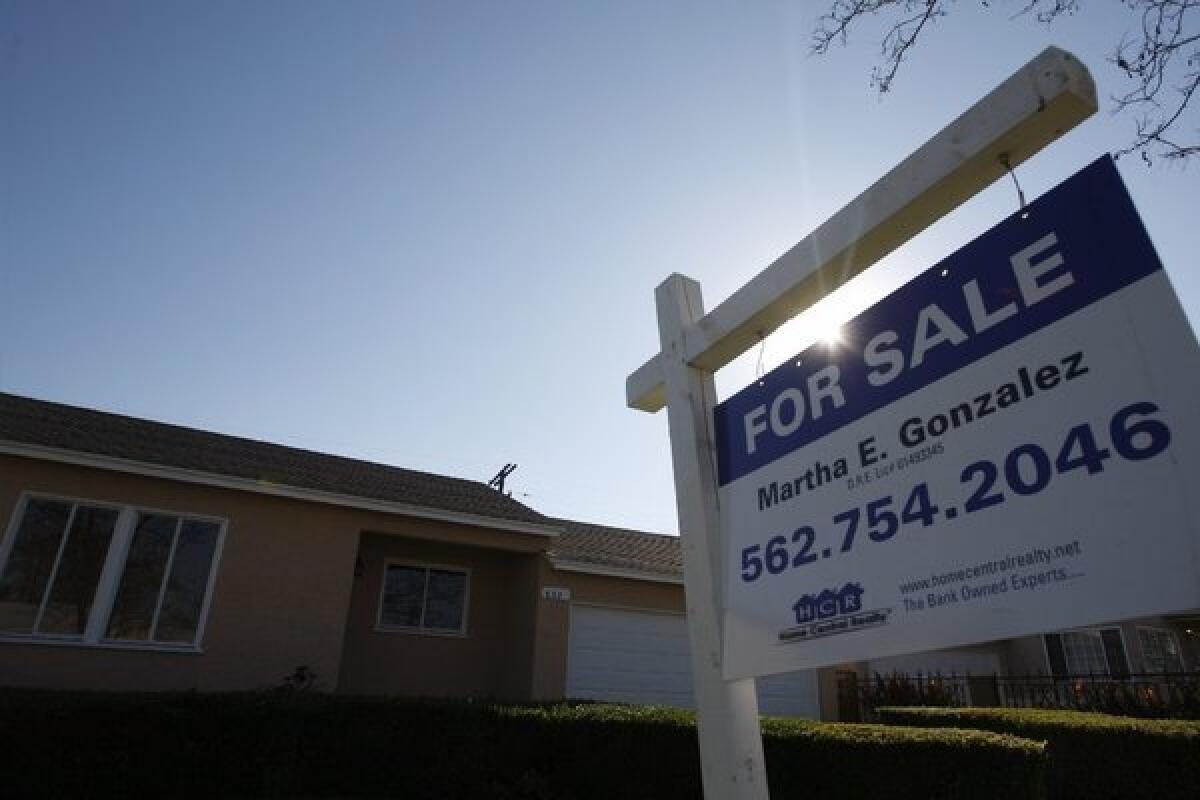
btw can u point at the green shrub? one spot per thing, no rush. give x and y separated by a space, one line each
1092 756
877 762
285 744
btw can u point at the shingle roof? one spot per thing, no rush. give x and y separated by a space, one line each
618 548
37 422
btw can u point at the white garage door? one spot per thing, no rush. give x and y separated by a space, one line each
642 657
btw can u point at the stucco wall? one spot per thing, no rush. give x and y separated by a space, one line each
492 659
612 591
279 600
282 593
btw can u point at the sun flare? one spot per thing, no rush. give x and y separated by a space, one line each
833 338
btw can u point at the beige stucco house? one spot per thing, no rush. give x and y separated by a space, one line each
139 555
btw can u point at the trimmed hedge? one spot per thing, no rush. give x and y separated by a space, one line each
1092 756
877 762
287 744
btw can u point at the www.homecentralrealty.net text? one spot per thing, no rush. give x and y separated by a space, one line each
1013 573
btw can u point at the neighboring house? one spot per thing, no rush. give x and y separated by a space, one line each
140 555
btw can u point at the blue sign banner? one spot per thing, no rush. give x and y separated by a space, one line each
1002 287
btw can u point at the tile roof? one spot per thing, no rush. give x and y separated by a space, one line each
36 422
618 548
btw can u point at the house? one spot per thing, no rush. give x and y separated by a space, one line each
148 556
142 555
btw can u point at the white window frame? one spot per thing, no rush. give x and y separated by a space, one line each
111 572
1142 649
9 540
1097 631
421 630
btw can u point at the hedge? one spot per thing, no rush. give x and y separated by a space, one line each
877 762
307 744
1091 755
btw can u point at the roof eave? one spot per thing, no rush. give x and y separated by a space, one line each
567 565
181 474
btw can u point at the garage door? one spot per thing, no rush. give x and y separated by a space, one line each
643 657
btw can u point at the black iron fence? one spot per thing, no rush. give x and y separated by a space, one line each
1173 694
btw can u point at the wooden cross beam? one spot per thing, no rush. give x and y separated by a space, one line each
1036 105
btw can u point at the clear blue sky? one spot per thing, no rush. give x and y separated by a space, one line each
428 234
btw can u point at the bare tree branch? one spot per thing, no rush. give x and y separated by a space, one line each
834 27
1046 13
1165 47
1161 65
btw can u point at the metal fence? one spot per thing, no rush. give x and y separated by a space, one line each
1164 694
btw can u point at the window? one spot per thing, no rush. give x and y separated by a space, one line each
55 556
97 574
1160 651
420 598
1087 652
1084 653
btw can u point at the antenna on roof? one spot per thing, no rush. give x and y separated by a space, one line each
497 482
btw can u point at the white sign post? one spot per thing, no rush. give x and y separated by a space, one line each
1048 96
731 754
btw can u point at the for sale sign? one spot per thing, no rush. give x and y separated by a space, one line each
1004 446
